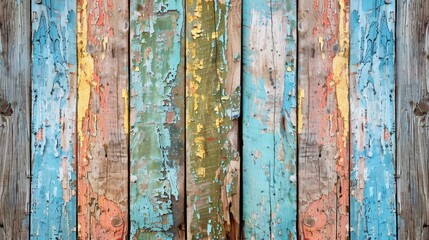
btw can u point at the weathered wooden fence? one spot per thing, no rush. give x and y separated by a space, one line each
214 119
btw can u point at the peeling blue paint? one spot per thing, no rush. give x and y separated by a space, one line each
53 200
373 203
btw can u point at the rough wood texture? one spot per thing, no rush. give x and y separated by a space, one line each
372 44
413 118
14 118
53 197
323 119
103 119
213 30
269 119
157 120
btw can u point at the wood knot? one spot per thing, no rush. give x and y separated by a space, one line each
116 221
422 107
5 107
309 221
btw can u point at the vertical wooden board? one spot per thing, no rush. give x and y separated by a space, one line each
412 68
157 120
373 203
213 49
103 119
323 119
14 119
269 119
53 192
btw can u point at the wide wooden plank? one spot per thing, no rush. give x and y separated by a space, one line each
323 119
103 119
373 204
53 192
269 119
157 194
412 80
213 49
15 119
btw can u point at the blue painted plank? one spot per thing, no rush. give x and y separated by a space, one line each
269 119
373 204
53 200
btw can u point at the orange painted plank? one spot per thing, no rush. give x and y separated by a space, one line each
102 119
323 119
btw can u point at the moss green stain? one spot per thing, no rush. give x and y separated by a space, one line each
213 100
156 147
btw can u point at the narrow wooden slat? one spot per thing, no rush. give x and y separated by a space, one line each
157 120
269 119
103 119
323 119
53 192
373 204
412 118
213 49
14 119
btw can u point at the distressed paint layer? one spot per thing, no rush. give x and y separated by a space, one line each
157 120
373 203
53 188
323 125
269 119
15 113
412 117
213 49
102 112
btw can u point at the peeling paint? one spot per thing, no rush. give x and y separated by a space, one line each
53 198
372 41
213 100
323 119
102 28
269 119
157 130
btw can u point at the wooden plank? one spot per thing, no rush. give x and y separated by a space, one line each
323 119
53 192
14 119
412 118
157 194
103 119
269 119
373 203
213 49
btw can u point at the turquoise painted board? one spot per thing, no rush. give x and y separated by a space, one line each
269 119
53 186
157 195
373 203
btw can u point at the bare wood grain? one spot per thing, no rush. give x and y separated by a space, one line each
412 78
14 118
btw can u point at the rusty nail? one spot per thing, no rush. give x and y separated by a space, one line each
309 221
116 221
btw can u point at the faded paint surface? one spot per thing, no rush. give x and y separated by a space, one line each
15 119
269 119
413 118
102 119
323 119
53 188
213 30
157 120
373 204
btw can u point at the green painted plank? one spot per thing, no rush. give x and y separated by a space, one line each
269 119
15 113
372 53
213 50
53 185
157 120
